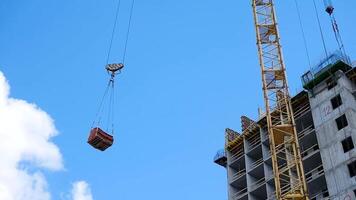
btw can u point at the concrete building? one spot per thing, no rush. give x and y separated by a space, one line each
325 116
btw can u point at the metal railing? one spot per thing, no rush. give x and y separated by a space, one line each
238 175
240 194
237 155
256 163
220 154
316 172
310 150
254 141
322 195
306 131
301 111
258 183
323 64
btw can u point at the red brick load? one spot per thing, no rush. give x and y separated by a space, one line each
99 139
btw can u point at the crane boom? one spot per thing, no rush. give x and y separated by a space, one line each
289 179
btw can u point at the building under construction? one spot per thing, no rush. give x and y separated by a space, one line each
325 119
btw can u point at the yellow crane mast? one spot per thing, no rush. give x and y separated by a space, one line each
289 179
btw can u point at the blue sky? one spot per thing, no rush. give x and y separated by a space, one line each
191 71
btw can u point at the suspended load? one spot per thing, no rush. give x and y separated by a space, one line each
98 138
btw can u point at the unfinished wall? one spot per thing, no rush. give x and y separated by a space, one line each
249 164
335 160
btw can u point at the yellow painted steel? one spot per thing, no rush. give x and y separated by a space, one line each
232 138
290 183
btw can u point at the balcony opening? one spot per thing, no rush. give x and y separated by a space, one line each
347 144
341 122
325 193
336 101
352 168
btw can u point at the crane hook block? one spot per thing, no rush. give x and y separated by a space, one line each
114 67
99 139
329 9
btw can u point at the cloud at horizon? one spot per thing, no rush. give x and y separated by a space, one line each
81 191
26 149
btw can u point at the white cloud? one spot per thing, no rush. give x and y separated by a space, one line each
25 148
81 191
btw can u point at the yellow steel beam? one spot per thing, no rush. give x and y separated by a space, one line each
290 183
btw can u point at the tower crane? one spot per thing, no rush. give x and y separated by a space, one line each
289 178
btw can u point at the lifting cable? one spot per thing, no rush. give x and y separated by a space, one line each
320 29
333 77
113 30
303 33
109 90
100 110
111 107
337 35
307 51
329 8
128 31
304 38
324 45
113 69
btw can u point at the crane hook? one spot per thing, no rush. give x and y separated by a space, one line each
113 68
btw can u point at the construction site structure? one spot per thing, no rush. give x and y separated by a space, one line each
266 157
325 118
289 179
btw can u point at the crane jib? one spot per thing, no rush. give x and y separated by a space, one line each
289 178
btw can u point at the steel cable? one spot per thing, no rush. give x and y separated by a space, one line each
113 31
128 31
